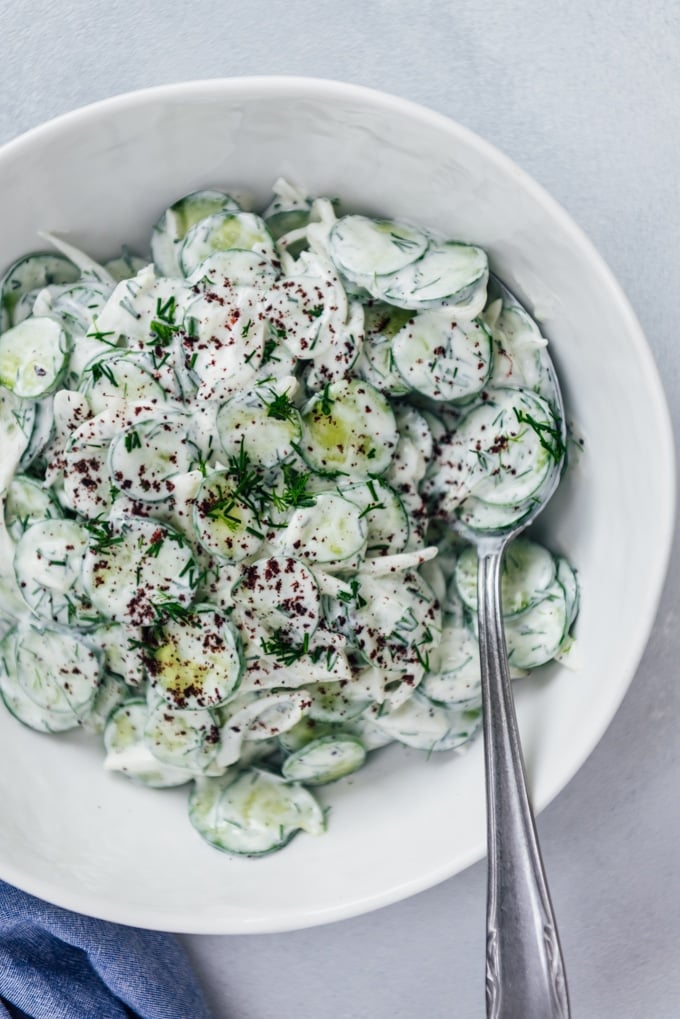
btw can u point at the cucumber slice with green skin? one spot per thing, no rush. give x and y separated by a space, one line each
183 739
450 275
304 732
534 637
387 525
17 701
32 273
221 232
412 455
567 579
284 596
394 621
422 725
33 357
376 363
27 503
136 571
120 376
225 525
86 485
308 308
455 677
223 273
111 693
41 435
17 420
336 364
364 248
263 425
502 452
176 221
48 561
195 661
75 305
57 669
259 717
121 647
527 573
443 358
372 737
349 429
325 760
125 265
484 516
127 753
145 457
252 812
336 702
520 350
331 533
223 337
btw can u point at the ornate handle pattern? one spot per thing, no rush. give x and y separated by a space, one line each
525 976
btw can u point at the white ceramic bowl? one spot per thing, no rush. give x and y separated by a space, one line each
77 836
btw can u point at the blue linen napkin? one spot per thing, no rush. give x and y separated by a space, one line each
55 964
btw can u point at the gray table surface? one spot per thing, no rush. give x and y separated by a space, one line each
585 95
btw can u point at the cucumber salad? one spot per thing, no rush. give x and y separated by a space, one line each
225 476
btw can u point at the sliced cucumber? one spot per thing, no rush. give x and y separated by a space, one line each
336 702
364 248
176 221
534 637
324 760
394 621
127 753
122 647
17 420
87 485
225 272
283 594
225 524
426 726
120 376
182 738
255 717
74 305
449 275
304 732
220 232
125 265
454 677
57 669
441 357
145 457
377 363
349 429
48 561
383 513
307 308
262 424
136 571
195 661
33 357
111 693
252 812
528 571
566 577
502 452
17 701
331 533
27 502
32 273
41 435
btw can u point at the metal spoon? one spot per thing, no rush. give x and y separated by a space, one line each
525 975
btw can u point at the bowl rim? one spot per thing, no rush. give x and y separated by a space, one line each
320 89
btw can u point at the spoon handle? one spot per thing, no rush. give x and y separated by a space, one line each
525 976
